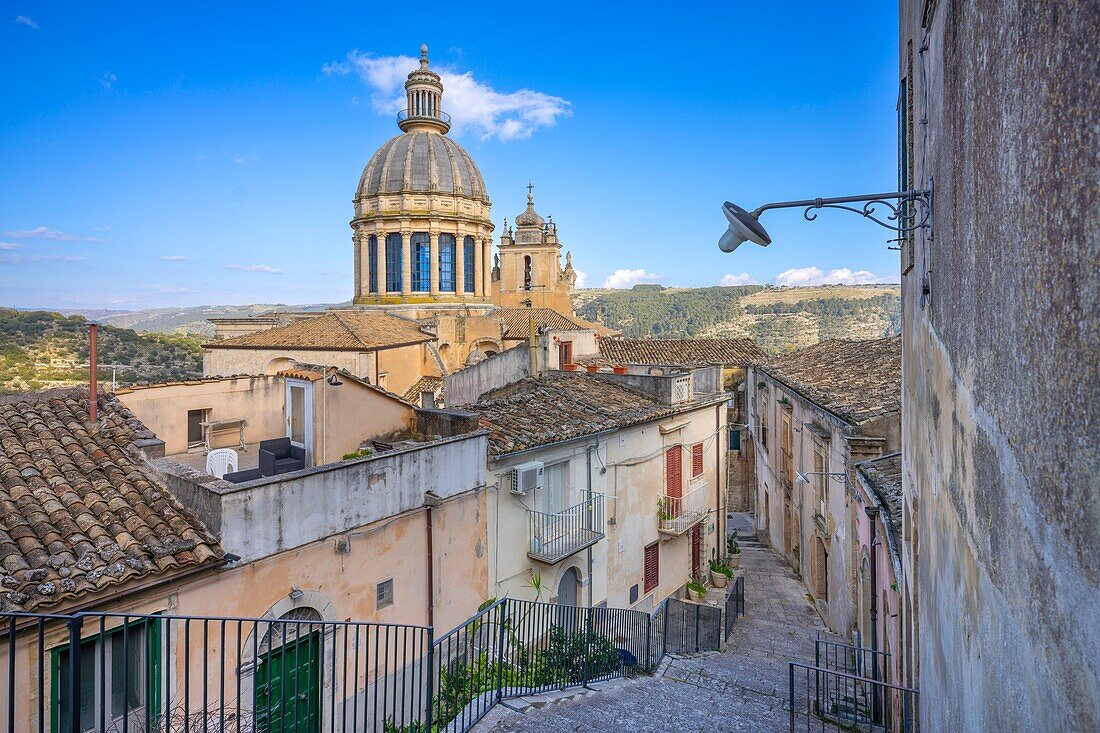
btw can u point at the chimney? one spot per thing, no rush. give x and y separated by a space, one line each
93 364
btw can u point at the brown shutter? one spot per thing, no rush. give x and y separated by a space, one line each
673 486
697 460
652 569
696 548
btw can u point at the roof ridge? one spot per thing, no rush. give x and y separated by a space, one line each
347 327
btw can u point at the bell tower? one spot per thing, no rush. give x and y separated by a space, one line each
530 272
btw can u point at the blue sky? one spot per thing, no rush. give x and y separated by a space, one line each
202 153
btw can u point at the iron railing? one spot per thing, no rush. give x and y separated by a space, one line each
677 514
555 536
850 659
821 699
734 606
137 673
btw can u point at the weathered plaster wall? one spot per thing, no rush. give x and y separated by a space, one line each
1000 365
465 386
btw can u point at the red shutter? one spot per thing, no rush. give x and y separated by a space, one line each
697 460
673 485
696 548
652 569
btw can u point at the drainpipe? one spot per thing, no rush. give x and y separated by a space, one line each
872 514
719 505
588 463
430 501
93 367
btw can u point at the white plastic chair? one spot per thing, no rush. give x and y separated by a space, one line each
221 461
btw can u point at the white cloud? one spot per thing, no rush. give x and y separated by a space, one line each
47 233
629 278
172 258
101 229
582 278
174 290
24 20
20 259
743 279
9 246
245 159
108 80
257 268
815 276
474 106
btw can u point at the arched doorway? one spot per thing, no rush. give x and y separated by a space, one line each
568 587
821 570
287 690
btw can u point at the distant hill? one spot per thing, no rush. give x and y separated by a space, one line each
188 321
41 349
779 319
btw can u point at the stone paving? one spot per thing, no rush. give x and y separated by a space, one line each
740 690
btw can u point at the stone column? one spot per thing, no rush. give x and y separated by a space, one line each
487 268
406 261
380 258
357 245
433 250
479 268
460 263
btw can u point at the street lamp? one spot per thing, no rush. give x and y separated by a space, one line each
804 478
908 211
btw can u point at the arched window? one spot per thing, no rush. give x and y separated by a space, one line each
468 264
527 272
447 263
421 262
393 262
372 263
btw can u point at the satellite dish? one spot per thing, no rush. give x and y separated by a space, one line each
744 227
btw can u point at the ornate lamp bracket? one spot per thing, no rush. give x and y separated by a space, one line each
905 211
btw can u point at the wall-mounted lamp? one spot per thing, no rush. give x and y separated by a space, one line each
909 211
804 478
295 593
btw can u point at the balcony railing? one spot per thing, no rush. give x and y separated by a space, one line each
404 118
557 535
678 514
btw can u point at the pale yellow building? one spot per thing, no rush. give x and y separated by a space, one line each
529 273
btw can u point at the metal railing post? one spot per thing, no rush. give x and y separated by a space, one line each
648 640
790 694
500 651
75 624
430 677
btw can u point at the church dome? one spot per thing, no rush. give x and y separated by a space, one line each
422 161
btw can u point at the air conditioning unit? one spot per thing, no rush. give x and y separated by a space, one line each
527 477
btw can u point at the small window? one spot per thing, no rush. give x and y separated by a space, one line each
652 568
634 593
195 418
565 353
697 460
735 439
383 594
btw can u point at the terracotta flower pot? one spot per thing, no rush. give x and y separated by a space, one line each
735 560
619 369
569 367
693 595
593 368
718 580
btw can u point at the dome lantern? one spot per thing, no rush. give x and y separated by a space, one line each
423 100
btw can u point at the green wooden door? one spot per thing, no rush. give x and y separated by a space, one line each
288 687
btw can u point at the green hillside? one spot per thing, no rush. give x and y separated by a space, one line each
779 319
40 349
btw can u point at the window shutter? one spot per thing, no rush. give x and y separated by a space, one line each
697 460
652 568
672 472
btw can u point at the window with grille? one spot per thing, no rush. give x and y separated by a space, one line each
372 263
447 263
468 264
393 263
421 262
383 594
697 460
652 569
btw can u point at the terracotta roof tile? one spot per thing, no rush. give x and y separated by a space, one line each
856 380
559 406
680 352
335 331
517 322
883 476
78 512
424 384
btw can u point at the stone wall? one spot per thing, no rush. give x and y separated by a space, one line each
1000 364
466 385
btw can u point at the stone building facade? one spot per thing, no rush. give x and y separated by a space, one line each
529 273
1000 108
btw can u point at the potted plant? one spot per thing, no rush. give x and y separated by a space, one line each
593 368
720 574
734 551
696 591
569 367
619 369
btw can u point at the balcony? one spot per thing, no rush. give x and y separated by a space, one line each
405 119
558 535
676 515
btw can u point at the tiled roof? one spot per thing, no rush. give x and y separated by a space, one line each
333 331
680 352
558 406
78 511
517 322
856 380
883 476
424 384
